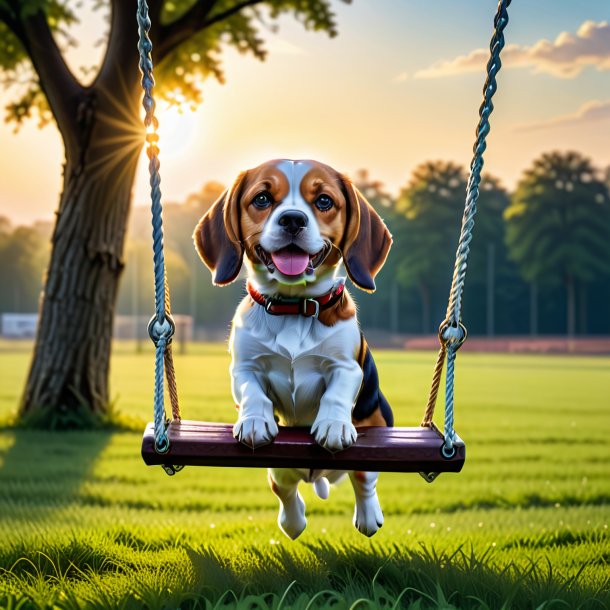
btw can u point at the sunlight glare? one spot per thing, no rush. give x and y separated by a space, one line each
177 130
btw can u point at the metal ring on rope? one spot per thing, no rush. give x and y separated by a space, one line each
452 333
161 327
164 329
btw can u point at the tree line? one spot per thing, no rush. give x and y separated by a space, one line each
539 263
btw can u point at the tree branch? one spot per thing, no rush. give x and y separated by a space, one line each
176 32
58 84
230 11
193 21
12 22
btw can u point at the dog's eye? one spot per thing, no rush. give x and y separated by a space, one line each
262 200
324 203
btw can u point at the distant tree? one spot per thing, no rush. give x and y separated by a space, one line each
432 204
202 201
137 287
489 271
383 309
558 225
5 226
23 256
102 136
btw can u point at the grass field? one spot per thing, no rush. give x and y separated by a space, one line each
83 523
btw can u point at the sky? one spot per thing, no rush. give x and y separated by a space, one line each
400 85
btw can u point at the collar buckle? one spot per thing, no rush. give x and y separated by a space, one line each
268 305
304 308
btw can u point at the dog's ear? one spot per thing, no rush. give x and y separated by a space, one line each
366 242
217 236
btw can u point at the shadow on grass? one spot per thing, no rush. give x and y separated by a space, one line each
339 576
306 577
42 473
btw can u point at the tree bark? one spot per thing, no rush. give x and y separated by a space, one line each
69 370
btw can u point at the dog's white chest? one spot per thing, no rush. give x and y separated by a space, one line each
292 358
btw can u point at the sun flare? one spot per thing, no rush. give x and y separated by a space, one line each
177 130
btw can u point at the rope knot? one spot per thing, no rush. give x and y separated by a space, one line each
161 330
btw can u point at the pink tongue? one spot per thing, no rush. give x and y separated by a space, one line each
290 262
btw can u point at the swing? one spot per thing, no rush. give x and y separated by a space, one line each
423 449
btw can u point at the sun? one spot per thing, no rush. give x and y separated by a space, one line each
177 131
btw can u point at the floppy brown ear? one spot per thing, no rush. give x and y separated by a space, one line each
367 240
217 236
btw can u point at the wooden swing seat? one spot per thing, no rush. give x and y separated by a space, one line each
195 443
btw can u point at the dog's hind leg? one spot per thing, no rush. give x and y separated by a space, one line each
368 517
284 483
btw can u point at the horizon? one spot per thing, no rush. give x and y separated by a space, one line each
414 90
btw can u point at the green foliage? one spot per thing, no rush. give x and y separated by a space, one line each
489 229
558 224
432 203
16 71
432 206
23 255
181 71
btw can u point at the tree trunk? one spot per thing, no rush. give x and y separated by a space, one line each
69 370
533 309
425 308
491 289
571 306
583 307
394 308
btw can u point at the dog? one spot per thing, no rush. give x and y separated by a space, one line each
298 355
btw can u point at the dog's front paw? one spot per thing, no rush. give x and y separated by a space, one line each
334 435
255 431
368 517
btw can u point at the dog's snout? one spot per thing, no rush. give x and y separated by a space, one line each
293 221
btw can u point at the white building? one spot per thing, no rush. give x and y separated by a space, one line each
19 325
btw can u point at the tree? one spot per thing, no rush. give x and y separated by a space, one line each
102 135
382 310
433 204
23 254
558 225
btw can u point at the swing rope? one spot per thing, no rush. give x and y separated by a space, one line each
452 333
161 327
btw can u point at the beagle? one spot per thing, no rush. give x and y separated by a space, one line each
298 356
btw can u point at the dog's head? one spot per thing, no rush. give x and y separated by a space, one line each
293 221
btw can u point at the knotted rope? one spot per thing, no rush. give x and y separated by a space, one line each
452 333
161 327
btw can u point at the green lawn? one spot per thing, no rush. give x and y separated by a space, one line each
84 523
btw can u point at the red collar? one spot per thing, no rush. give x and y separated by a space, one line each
308 307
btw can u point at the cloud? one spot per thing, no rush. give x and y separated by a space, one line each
400 78
590 112
565 57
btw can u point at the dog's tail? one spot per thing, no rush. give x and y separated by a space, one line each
322 488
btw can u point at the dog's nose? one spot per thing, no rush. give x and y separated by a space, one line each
292 221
